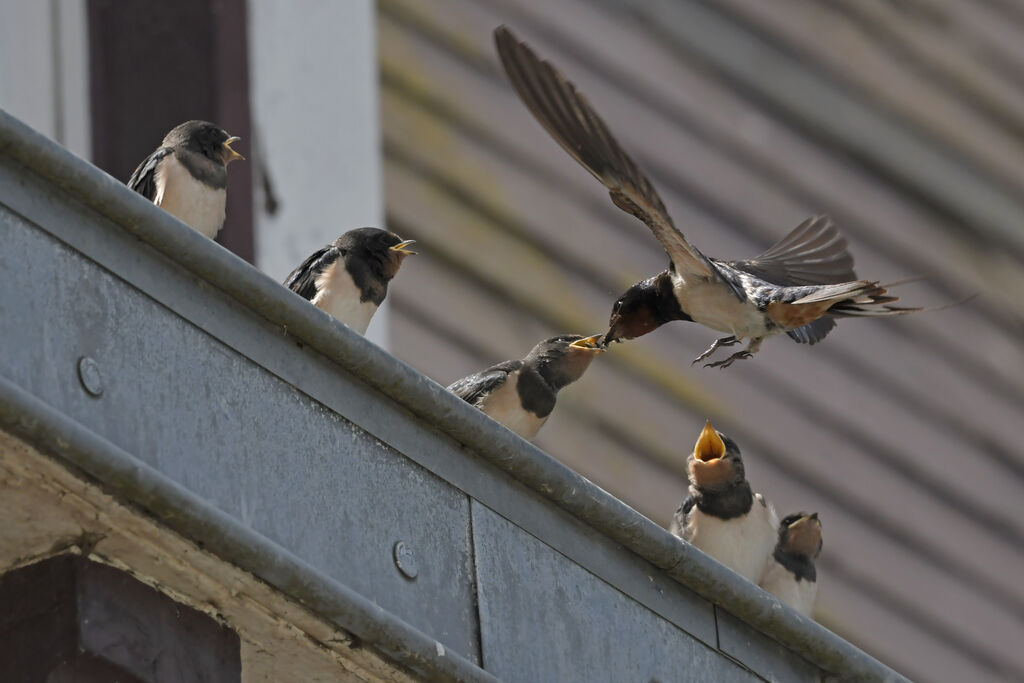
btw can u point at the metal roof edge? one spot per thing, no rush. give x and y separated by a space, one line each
218 532
414 391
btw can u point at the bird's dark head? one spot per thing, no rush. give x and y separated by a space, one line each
380 251
563 359
204 138
800 535
715 463
644 307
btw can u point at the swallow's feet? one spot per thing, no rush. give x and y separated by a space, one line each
739 355
724 341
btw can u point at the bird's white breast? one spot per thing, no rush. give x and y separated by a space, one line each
744 544
712 303
504 405
780 582
192 202
338 295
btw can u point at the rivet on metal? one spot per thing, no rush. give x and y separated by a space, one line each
405 560
89 375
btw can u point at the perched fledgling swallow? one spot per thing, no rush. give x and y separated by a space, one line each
722 516
187 176
349 277
520 394
798 286
790 575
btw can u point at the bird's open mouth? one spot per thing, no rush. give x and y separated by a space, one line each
592 343
401 247
803 519
709 444
232 154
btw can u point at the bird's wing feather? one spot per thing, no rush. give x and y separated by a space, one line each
143 179
681 518
474 387
302 280
812 333
856 289
813 253
568 117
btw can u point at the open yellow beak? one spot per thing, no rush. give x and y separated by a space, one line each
802 520
592 343
233 154
401 247
709 444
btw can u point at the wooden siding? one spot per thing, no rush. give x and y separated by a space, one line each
904 120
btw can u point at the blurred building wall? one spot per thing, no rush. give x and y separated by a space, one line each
316 122
44 69
306 83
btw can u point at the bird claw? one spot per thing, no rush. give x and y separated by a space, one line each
715 345
739 355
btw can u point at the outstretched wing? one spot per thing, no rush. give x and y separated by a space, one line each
568 117
813 253
143 179
302 280
471 389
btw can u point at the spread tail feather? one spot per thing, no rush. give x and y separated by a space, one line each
861 298
855 290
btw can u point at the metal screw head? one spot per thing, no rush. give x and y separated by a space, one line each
89 375
405 560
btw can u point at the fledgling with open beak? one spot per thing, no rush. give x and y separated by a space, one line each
187 176
799 286
520 394
349 277
791 576
722 516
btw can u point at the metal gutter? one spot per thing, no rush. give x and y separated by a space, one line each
418 394
220 533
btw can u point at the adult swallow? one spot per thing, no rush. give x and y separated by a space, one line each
790 575
722 516
349 277
187 176
798 286
520 394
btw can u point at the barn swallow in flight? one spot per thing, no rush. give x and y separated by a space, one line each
349 277
520 394
187 176
790 575
798 286
722 516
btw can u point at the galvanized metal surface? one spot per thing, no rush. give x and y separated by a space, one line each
545 618
226 536
201 357
760 653
239 437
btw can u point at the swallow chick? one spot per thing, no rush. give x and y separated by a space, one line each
187 176
722 516
520 394
798 286
349 277
790 575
